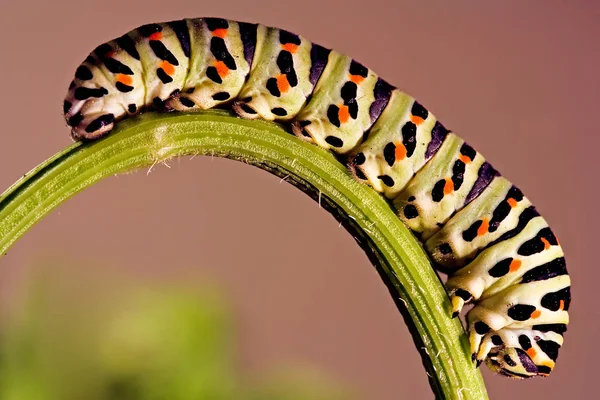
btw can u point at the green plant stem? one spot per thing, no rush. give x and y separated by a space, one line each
399 258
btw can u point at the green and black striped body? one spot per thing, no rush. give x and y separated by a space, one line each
475 225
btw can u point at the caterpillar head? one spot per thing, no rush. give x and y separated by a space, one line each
515 363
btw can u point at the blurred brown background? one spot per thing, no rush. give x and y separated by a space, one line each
518 81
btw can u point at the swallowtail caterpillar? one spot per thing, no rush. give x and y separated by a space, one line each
474 224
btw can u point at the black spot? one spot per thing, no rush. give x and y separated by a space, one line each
149 29
501 268
100 122
213 75
83 93
126 43
410 211
359 174
75 120
458 171
187 102
551 301
357 68
101 51
221 96
190 90
419 111
288 37
158 102
216 23
389 153
387 180
163 76
557 328
161 51
468 151
132 108
181 31
520 312
437 194
219 49
471 233
279 111
463 294
359 159
550 348
409 138
543 369
174 93
481 328
536 244
334 141
524 342
247 109
333 116
83 73
116 67
545 271
349 91
445 248
67 106
497 340
412 198
272 87
123 87
509 361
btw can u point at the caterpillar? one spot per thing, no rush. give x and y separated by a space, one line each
474 224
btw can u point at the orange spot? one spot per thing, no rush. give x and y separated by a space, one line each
222 69
514 265
416 120
356 78
344 114
561 305
221 32
282 83
448 186
125 79
483 229
155 36
464 159
167 67
536 314
291 47
531 353
546 243
400 151
512 202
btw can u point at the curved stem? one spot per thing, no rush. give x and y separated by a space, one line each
150 138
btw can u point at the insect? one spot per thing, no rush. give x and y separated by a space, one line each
475 225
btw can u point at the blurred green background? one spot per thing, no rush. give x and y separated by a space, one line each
95 333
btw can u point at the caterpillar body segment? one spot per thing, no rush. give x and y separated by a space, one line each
399 144
474 224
